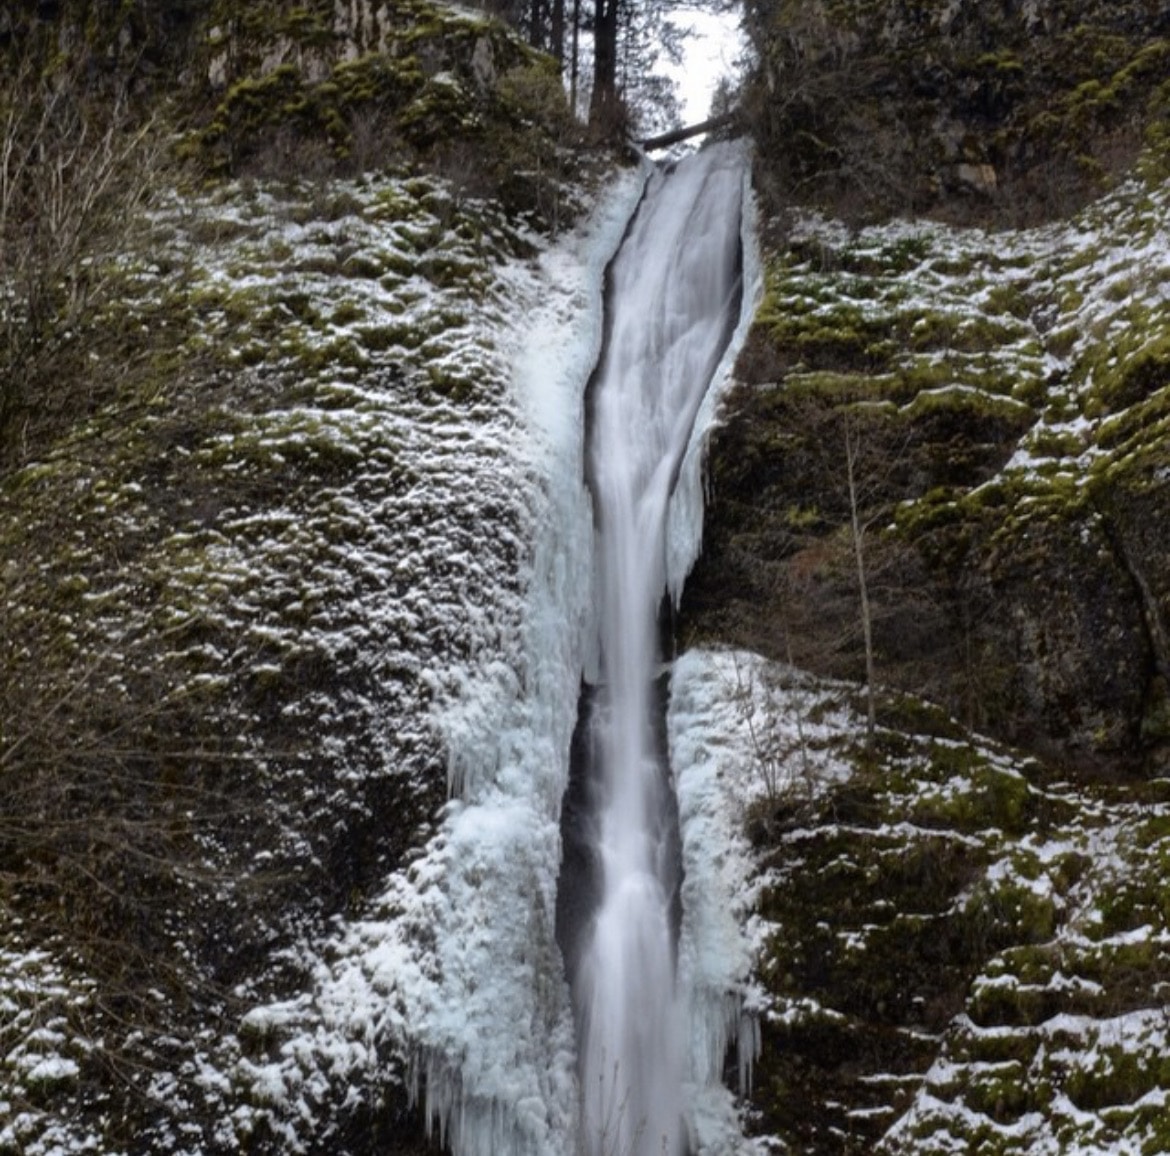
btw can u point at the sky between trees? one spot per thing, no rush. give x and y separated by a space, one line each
644 65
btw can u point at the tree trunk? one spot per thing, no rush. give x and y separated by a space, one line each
575 57
863 589
681 134
603 105
536 27
557 31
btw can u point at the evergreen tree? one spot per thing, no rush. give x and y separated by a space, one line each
626 40
631 39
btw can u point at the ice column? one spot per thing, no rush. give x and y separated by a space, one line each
674 294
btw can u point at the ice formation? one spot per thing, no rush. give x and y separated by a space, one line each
675 290
454 972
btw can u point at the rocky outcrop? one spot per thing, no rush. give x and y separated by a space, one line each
1004 396
966 953
959 948
1008 111
326 88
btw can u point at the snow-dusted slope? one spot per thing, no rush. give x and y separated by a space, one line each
336 528
982 944
968 949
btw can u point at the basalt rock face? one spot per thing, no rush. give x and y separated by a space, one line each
963 956
1000 397
966 953
239 575
293 90
303 88
1009 110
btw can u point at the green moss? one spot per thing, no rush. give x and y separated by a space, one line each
1136 376
341 353
802 518
1011 299
935 522
1005 61
1001 1091
995 1047
889 259
256 102
375 79
971 404
1125 909
347 313
363 266
960 265
1008 912
450 385
1059 443
976 796
387 336
1118 1076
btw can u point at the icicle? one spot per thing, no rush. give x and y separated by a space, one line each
748 1049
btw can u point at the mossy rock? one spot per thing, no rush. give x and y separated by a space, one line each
901 903
893 106
1141 375
1009 982
305 91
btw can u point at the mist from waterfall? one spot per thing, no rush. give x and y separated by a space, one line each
674 295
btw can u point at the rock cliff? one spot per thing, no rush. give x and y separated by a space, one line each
980 405
1013 110
262 505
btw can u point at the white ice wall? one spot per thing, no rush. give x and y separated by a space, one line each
494 1026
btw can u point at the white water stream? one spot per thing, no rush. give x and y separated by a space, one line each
674 297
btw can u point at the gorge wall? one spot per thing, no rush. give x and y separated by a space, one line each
990 381
999 392
268 528
1010 111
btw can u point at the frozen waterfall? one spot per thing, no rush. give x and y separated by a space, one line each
673 301
571 843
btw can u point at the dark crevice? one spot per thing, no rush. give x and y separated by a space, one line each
1156 664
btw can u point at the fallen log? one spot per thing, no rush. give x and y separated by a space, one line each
675 136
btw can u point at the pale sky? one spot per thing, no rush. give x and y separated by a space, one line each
711 53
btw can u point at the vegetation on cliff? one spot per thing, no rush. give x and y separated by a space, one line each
960 949
969 949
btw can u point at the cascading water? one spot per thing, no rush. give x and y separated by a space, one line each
673 301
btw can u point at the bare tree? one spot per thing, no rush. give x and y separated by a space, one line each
827 584
767 701
76 169
858 528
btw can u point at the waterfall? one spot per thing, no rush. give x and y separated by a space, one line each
674 293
